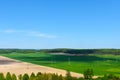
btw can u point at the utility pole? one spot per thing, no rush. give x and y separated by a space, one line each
69 61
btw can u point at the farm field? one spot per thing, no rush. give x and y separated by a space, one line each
101 64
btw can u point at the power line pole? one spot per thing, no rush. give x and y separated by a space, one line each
69 61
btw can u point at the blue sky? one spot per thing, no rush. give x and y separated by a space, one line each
39 24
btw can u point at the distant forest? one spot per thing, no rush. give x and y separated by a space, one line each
67 51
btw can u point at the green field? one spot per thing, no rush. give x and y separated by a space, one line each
101 64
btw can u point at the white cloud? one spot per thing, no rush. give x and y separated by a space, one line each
37 34
27 33
42 35
9 31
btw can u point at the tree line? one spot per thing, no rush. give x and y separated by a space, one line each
88 75
67 51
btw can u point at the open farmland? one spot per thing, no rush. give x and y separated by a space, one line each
101 64
18 67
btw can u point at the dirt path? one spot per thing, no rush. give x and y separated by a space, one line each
18 67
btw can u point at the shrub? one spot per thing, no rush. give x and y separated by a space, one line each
88 74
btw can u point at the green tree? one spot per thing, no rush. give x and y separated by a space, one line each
44 76
25 77
39 74
2 76
60 77
68 75
14 77
20 77
8 76
88 74
32 76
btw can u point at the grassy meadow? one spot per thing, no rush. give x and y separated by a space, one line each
101 64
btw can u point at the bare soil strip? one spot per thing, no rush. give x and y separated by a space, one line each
18 67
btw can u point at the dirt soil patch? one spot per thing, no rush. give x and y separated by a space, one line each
18 67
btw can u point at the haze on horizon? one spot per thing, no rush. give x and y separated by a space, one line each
38 24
